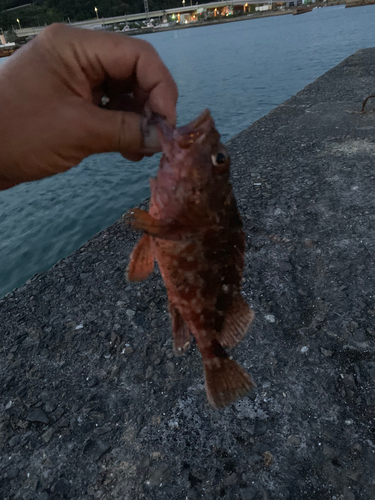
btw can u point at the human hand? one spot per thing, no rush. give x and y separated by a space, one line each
50 91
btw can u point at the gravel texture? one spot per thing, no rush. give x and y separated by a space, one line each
94 405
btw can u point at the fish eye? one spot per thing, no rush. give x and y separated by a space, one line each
221 160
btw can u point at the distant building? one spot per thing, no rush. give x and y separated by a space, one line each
298 2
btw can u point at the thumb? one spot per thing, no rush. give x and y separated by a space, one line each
125 132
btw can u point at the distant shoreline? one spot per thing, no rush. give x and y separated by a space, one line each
254 15
213 21
144 31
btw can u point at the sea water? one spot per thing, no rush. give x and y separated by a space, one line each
239 70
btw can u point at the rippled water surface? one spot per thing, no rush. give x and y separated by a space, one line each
239 70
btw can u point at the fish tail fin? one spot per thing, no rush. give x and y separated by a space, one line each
226 381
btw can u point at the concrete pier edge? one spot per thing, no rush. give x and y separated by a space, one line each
93 405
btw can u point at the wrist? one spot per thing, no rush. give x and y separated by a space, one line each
6 184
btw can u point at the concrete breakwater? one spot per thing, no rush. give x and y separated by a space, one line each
94 405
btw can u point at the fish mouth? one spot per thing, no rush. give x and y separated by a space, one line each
195 131
202 120
184 136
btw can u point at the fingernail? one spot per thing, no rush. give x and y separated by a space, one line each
151 143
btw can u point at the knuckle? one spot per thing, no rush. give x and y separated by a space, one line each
145 46
51 32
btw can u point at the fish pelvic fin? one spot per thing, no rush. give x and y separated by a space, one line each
141 262
181 332
237 323
226 381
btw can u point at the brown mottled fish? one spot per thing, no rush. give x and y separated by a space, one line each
194 231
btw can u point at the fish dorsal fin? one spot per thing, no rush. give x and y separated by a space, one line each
237 322
181 332
141 262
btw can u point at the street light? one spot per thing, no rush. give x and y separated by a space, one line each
96 12
19 24
183 3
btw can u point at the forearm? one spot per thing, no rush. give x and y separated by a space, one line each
4 184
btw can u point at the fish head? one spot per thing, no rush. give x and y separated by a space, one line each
193 152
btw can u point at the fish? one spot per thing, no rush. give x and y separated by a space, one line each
194 231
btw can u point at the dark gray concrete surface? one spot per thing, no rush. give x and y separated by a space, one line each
95 406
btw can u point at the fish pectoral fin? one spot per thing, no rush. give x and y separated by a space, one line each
140 220
180 331
237 322
141 262
225 380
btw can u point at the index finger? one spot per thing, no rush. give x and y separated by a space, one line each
103 56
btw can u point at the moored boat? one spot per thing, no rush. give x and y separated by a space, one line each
359 3
301 9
